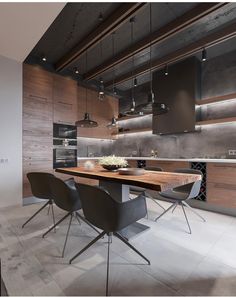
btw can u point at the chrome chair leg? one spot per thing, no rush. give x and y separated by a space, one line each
67 233
193 210
53 216
108 263
61 220
190 232
169 208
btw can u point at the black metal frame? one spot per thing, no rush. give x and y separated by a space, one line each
108 252
71 214
50 203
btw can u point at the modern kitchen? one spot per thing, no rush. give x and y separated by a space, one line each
118 156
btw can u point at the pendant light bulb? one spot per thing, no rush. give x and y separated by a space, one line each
135 82
204 55
101 93
44 59
166 70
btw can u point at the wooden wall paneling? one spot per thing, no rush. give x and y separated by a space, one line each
221 186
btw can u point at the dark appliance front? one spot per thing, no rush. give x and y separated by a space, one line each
64 157
64 131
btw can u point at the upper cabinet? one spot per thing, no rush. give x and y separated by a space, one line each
64 100
37 83
179 90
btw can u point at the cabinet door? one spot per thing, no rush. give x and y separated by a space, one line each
37 83
65 100
169 166
221 187
64 90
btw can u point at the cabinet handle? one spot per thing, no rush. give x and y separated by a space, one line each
61 102
38 97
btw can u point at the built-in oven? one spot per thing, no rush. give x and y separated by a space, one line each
64 157
64 131
64 146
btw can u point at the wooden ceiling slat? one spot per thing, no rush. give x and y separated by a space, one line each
207 41
167 31
112 23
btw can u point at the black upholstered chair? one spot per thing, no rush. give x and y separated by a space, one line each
139 190
40 187
101 210
65 196
181 195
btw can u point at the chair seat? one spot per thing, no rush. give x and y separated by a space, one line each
175 195
136 189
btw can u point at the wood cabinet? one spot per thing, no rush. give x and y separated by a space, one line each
64 100
169 166
221 185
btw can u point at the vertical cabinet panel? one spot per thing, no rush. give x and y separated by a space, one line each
64 100
37 122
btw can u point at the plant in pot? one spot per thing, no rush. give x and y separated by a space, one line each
113 163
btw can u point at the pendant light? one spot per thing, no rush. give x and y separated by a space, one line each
86 122
113 123
133 111
151 106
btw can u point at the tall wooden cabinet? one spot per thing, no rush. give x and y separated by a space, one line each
37 122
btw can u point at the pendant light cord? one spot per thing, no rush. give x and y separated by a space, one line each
150 51
132 43
86 91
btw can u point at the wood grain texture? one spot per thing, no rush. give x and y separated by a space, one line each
158 181
221 185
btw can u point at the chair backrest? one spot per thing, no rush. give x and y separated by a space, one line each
153 168
65 194
40 184
192 189
99 207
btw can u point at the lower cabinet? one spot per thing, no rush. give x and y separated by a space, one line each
165 165
221 184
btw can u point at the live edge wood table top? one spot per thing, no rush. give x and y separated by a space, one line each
153 180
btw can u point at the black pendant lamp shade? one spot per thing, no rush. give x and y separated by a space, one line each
86 122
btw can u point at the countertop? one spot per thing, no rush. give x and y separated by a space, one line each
207 160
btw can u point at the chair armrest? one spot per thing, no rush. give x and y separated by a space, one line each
131 211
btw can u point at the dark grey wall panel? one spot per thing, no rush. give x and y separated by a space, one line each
178 90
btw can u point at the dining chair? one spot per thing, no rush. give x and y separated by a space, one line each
66 197
111 216
180 195
139 190
40 187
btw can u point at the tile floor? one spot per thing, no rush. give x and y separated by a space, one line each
203 263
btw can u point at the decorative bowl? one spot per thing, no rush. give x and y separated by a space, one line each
111 167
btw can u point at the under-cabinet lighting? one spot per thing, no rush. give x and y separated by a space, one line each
130 133
215 124
94 139
226 101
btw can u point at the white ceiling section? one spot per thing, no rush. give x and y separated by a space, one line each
23 24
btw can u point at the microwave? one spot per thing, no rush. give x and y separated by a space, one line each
64 131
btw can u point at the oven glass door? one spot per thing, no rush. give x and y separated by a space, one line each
64 158
64 131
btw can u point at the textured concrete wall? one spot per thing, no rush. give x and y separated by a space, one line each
218 78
